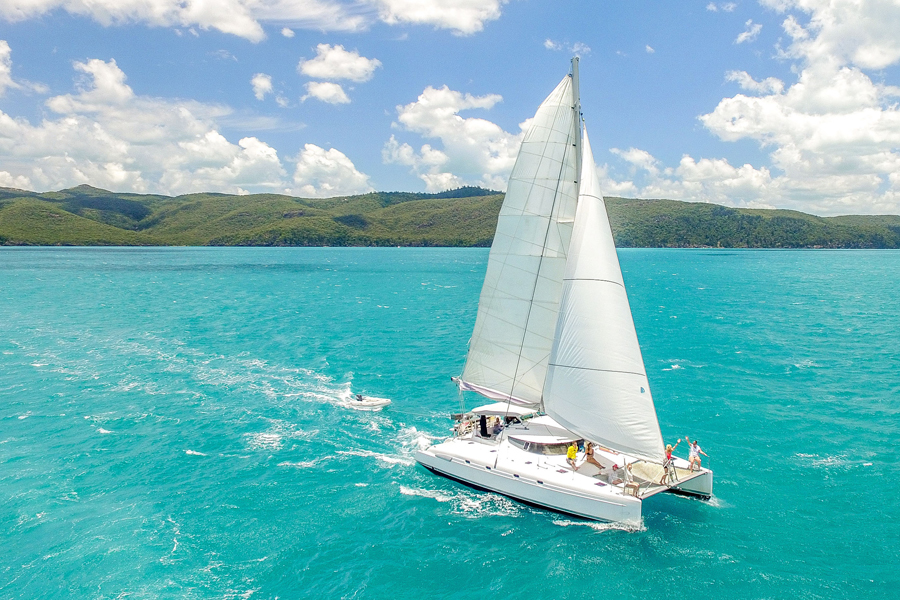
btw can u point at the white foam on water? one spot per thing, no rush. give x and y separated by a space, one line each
101 430
39 364
717 502
385 458
194 453
469 504
361 484
263 441
627 527
25 416
303 464
433 494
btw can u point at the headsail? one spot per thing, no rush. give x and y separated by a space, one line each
519 303
596 382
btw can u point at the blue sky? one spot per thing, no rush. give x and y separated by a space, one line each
775 103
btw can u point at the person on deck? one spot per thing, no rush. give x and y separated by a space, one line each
668 464
615 477
589 455
695 453
571 453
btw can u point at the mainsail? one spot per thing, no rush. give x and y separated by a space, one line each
519 303
596 384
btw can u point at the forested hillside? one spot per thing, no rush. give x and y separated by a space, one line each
463 217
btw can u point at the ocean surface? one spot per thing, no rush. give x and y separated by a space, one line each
173 425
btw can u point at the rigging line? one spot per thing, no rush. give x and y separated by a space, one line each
553 208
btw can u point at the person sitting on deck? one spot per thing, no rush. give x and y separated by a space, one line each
497 428
615 477
589 455
668 463
571 453
695 453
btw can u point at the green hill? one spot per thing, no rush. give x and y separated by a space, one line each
465 217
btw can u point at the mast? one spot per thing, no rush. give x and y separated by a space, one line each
576 106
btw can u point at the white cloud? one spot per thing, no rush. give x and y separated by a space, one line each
332 93
475 151
107 135
333 62
767 85
578 48
858 32
323 173
245 18
725 7
462 17
649 49
262 85
833 134
750 33
712 7
238 17
6 80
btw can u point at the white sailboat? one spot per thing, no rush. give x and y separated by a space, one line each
555 349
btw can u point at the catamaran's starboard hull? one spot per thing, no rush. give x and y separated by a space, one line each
701 486
539 493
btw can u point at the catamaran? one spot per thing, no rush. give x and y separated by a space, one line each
571 425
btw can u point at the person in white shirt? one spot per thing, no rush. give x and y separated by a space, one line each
695 452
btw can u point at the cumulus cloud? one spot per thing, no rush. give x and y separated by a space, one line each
832 134
475 151
323 173
724 7
750 33
332 93
462 17
238 17
107 135
743 79
245 18
262 85
6 80
333 62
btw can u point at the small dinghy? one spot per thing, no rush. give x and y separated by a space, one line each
360 402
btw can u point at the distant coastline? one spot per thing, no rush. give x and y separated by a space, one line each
87 216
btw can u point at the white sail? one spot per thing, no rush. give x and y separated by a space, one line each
519 303
596 382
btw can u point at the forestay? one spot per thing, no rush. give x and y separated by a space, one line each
596 382
519 303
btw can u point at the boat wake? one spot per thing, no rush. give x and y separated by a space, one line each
627 527
469 504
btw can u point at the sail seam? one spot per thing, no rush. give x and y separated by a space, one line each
599 370
592 279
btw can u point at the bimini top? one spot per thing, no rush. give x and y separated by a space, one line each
542 430
502 409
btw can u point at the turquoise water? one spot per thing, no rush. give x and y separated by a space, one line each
171 426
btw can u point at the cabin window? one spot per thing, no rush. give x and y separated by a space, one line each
545 449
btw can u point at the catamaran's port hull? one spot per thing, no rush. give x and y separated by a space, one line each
533 492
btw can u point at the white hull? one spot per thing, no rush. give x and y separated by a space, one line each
367 403
547 490
496 464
